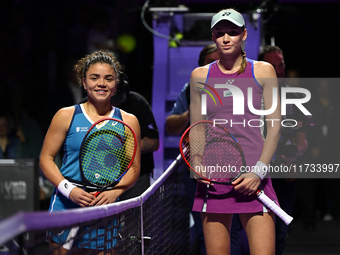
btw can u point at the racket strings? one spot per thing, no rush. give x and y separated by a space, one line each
212 152
222 160
107 152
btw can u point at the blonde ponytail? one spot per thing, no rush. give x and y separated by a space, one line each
243 64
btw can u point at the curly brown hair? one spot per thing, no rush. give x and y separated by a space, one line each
101 56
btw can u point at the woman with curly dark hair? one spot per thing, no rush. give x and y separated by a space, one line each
98 73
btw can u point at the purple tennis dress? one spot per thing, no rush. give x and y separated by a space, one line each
247 130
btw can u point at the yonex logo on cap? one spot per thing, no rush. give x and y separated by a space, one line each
230 15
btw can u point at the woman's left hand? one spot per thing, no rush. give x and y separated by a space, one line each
247 184
105 197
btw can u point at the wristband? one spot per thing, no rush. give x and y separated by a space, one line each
65 188
260 169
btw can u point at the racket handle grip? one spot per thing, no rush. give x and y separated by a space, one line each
70 238
97 193
204 208
274 207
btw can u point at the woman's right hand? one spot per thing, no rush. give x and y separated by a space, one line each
81 197
247 184
201 180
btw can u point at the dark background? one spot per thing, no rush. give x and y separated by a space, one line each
35 35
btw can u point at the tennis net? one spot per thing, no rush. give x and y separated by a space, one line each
157 222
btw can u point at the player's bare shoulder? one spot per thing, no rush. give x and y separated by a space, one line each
66 111
198 76
127 116
130 119
63 116
200 72
263 69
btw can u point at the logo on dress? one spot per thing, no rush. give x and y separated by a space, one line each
101 124
81 129
228 93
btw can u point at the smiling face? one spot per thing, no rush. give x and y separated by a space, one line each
228 37
100 82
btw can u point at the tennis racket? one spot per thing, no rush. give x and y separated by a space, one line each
214 154
106 154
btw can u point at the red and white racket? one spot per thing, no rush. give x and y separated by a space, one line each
214 154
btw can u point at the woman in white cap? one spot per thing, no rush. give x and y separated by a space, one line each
233 68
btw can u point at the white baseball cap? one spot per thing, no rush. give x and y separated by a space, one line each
230 15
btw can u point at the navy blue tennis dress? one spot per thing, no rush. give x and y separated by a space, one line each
70 169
